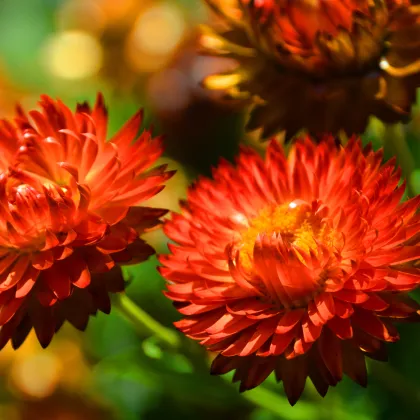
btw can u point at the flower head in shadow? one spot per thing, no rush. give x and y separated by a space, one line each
319 65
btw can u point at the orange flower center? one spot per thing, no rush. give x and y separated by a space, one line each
293 280
295 221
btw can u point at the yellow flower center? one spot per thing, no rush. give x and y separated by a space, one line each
297 224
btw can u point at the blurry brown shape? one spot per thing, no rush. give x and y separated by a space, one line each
323 65
63 406
36 373
96 16
197 123
86 15
49 383
137 37
178 85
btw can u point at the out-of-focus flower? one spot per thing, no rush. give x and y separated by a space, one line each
70 214
319 65
129 40
295 265
35 373
178 86
62 406
177 98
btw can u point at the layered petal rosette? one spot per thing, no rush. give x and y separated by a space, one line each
70 214
319 65
296 265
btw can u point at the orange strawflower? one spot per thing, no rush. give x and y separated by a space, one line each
70 214
319 65
295 265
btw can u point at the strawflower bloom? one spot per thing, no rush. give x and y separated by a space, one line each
296 265
319 65
70 214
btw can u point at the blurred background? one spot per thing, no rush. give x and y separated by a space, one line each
143 53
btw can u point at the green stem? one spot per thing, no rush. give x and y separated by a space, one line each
264 398
277 404
144 324
396 143
396 382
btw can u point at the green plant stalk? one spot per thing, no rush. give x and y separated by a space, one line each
147 326
396 144
144 324
395 382
264 398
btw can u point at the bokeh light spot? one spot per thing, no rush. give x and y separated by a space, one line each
159 29
73 55
37 375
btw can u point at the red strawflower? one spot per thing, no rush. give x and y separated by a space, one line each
295 265
319 65
69 214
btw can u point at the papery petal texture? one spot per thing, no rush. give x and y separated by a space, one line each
70 203
297 265
322 65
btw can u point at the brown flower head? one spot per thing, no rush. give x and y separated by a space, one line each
319 65
69 206
295 265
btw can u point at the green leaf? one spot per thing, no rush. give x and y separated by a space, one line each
169 375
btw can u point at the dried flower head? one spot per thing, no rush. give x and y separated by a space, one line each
295 265
70 214
319 65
